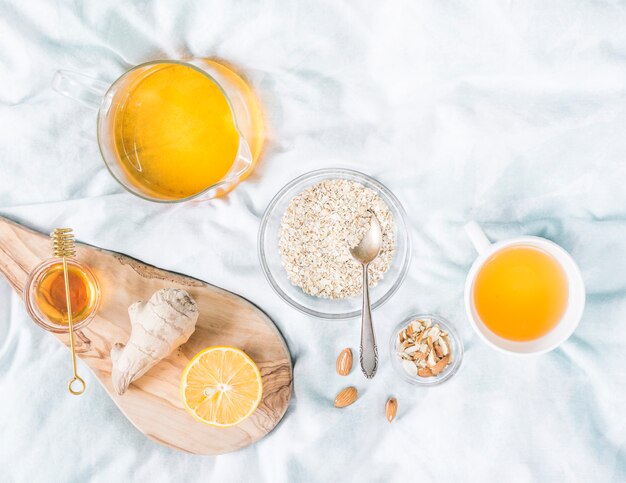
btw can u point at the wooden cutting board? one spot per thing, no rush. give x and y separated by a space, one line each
152 403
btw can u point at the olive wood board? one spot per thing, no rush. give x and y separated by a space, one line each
152 403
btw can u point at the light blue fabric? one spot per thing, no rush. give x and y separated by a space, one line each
510 113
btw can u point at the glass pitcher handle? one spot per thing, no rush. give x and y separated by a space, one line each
80 87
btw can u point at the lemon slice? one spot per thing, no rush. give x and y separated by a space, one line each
221 386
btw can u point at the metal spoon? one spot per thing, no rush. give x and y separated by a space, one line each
365 252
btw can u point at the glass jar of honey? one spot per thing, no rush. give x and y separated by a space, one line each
44 295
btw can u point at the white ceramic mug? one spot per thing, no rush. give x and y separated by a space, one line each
576 296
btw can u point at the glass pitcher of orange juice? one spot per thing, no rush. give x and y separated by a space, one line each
173 130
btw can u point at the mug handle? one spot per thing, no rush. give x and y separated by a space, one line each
477 237
80 87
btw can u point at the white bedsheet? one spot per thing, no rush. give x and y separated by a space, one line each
510 113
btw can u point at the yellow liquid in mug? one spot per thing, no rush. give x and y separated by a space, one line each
521 293
175 134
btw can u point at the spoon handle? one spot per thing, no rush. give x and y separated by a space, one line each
369 352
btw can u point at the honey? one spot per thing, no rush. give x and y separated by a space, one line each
521 293
174 131
48 293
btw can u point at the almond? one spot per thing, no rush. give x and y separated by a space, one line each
344 362
437 368
431 358
421 336
391 409
346 397
444 346
438 350
424 372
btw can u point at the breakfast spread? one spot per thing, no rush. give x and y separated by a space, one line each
172 133
323 231
318 229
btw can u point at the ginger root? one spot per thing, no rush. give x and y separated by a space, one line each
158 327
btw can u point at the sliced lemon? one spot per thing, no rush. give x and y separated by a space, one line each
221 386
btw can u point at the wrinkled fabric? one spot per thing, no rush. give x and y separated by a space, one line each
509 113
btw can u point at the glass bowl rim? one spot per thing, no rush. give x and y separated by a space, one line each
449 371
325 173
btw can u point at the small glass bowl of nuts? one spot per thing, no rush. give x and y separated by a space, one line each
425 350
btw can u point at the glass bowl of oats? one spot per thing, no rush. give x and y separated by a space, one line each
305 238
425 350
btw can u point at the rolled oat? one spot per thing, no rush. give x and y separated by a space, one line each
319 227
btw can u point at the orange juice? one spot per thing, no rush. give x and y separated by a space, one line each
520 293
175 133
